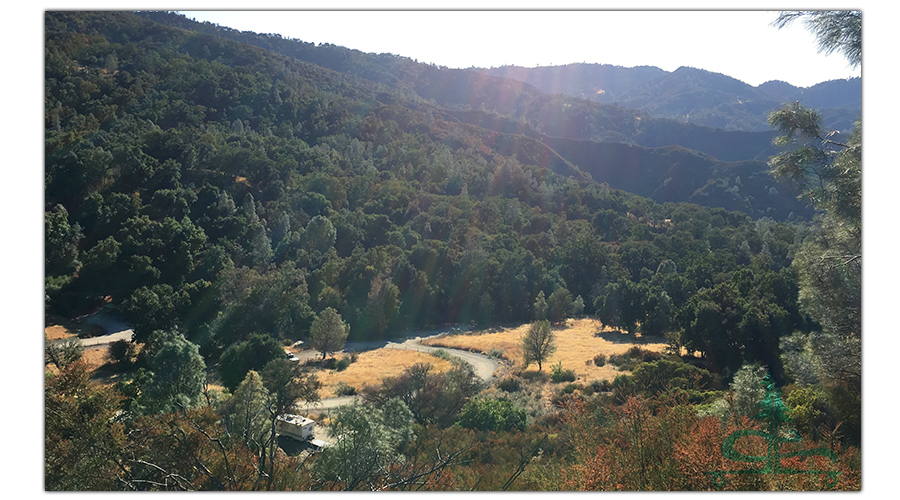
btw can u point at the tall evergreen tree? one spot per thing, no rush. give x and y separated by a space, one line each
829 262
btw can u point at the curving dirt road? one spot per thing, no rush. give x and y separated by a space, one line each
114 328
484 366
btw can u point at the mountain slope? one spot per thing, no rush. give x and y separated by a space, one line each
692 95
513 107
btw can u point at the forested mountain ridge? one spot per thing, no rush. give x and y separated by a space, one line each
693 95
169 169
509 106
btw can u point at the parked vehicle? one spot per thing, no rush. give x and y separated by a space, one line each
296 427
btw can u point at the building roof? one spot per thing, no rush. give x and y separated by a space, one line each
295 419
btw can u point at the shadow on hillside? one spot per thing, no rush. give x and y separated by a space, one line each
535 375
620 337
367 345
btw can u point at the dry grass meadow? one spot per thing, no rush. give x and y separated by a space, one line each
372 366
93 356
577 343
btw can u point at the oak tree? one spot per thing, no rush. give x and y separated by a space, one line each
538 343
328 332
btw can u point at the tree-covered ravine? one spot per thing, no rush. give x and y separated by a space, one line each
228 200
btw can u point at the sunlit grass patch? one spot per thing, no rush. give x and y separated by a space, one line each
372 366
576 345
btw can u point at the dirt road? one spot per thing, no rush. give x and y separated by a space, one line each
484 366
113 327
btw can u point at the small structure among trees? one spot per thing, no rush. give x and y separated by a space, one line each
295 426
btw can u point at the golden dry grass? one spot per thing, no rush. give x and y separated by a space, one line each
576 347
372 366
94 357
57 332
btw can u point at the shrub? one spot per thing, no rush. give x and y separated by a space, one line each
441 354
252 354
492 415
601 385
559 375
495 353
639 353
63 352
343 389
433 397
342 364
634 356
600 360
509 384
121 352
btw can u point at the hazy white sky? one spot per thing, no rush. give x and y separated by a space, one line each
738 43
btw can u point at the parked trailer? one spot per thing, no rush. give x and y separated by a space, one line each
295 426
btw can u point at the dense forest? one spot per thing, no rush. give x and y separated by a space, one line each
226 199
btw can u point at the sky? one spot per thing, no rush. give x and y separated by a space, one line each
738 43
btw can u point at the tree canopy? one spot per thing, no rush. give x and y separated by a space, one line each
328 332
538 343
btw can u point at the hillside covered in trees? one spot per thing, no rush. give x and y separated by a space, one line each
548 114
693 95
230 193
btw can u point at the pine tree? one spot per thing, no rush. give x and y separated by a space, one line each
835 30
829 171
540 306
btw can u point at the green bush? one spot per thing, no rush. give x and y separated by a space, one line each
342 364
122 352
559 375
252 354
634 356
601 385
811 411
492 415
344 389
600 360
495 353
509 384
441 354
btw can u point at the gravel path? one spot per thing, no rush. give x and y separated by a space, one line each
484 366
115 330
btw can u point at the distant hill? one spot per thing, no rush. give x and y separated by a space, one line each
597 82
692 95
